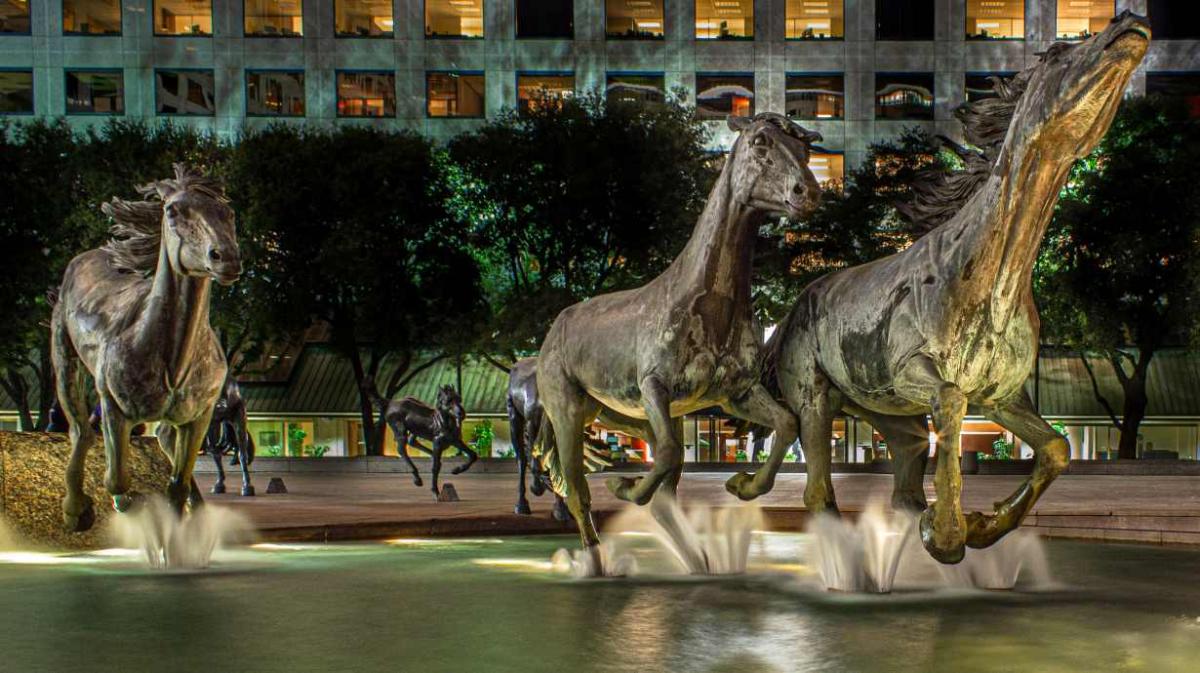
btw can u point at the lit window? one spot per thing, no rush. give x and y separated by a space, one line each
92 17
904 95
635 88
366 94
546 18
96 92
996 19
363 18
1080 19
829 168
981 85
724 19
452 94
14 16
904 19
183 17
537 90
814 19
1182 86
454 18
634 19
16 92
815 97
274 93
1175 19
274 18
718 96
184 92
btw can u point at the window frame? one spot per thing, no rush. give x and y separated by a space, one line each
443 71
821 149
154 25
483 9
32 91
338 72
932 34
542 73
1150 18
391 35
68 71
246 91
740 73
810 73
840 38
517 27
1024 24
932 94
737 38
636 73
185 115
26 33
981 73
1056 38
257 36
623 38
62 13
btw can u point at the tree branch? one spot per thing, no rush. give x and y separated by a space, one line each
496 363
1096 391
417 370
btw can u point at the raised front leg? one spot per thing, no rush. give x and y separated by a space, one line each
759 407
1051 453
668 448
466 451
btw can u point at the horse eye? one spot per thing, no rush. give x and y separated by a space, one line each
760 141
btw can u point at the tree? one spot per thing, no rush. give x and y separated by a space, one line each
574 198
1117 275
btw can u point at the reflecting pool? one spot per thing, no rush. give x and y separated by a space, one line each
497 605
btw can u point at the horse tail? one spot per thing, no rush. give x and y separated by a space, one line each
550 458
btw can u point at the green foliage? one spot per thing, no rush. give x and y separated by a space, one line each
482 436
295 439
1002 449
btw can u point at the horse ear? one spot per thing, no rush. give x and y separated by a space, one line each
737 124
806 135
165 188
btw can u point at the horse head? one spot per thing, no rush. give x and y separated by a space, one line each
449 403
769 164
197 227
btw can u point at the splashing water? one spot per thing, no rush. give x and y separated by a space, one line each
863 555
1000 566
602 560
188 542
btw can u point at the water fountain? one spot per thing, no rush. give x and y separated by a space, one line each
168 541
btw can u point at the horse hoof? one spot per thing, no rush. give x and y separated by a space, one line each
125 502
217 489
536 487
742 485
561 512
522 508
84 520
417 481
948 552
248 490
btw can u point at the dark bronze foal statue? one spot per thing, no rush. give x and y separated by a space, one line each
227 434
411 420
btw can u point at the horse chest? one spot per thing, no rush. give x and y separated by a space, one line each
145 392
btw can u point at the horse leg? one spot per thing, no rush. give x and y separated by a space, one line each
908 439
401 434
79 512
244 456
758 406
1051 452
188 438
516 430
538 483
668 448
567 409
116 429
436 467
670 518
215 450
466 451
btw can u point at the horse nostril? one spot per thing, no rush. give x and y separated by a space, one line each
214 255
797 189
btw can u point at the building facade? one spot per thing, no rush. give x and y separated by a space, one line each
855 70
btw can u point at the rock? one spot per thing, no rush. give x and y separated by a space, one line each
276 486
448 493
33 466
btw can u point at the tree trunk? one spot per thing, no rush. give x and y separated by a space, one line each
18 389
366 410
47 393
1133 410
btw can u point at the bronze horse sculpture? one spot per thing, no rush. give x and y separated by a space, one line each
412 420
686 340
227 434
949 325
133 314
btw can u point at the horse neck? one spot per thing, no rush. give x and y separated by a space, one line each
176 315
1005 226
720 252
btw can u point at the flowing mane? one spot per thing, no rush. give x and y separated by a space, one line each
137 225
938 195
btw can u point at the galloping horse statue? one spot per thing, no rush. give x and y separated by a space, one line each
134 315
949 325
411 419
227 434
686 340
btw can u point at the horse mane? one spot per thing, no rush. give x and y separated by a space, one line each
939 195
137 225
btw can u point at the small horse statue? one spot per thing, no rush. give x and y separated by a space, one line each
227 434
411 420
134 315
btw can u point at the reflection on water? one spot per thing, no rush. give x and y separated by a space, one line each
484 605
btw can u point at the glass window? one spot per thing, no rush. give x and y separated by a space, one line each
96 92
1175 19
815 97
1080 19
903 19
535 90
980 85
454 18
724 19
1184 86
184 92
452 94
366 94
14 16
546 18
829 168
815 19
182 17
904 95
277 93
92 17
274 18
16 92
718 96
996 19
635 88
363 18
634 19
